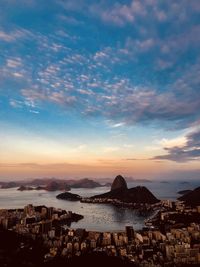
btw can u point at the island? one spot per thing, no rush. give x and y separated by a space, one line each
28 188
69 196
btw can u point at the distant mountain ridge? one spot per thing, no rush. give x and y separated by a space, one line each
51 184
85 183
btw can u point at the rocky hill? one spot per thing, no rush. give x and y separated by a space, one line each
119 190
119 183
192 198
183 192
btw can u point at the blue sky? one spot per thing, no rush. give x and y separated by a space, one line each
93 88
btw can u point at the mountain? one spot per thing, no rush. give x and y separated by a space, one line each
183 192
85 183
119 190
54 186
6 185
51 184
192 198
119 183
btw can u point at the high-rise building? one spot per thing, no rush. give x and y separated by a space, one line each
49 213
130 233
46 226
44 212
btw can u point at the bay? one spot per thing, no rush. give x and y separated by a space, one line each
97 217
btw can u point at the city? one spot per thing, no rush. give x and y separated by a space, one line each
172 245
91 90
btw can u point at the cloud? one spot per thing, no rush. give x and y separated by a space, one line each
129 12
179 104
146 44
17 74
6 37
111 149
36 95
95 93
85 92
175 46
121 14
163 64
12 36
61 98
79 148
120 101
188 152
70 20
117 125
128 146
166 51
34 111
169 143
146 105
16 103
13 62
139 46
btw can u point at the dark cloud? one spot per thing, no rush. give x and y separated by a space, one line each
189 152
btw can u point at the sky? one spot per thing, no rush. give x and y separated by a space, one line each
98 88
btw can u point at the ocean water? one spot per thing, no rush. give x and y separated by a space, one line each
98 217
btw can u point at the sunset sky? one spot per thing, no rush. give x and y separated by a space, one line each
96 88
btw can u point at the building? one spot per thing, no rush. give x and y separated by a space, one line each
130 233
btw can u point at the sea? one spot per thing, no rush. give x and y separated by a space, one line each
97 217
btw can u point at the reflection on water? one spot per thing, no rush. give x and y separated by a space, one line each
101 217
